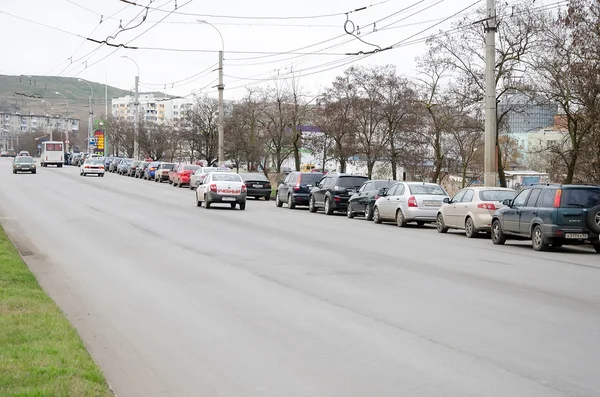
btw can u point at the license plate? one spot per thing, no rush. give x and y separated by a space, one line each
576 235
429 203
228 198
257 186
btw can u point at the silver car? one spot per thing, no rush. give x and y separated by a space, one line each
199 175
407 202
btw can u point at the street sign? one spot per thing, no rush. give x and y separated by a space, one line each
39 146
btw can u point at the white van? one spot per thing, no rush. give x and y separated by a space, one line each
52 153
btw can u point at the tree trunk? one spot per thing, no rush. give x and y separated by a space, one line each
464 174
370 166
571 169
393 158
501 174
296 144
342 164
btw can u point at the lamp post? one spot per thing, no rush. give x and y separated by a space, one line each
221 88
91 120
136 145
66 121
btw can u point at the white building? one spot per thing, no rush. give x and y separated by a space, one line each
14 124
152 108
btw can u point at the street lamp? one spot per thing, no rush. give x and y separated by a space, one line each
221 88
66 121
136 145
91 120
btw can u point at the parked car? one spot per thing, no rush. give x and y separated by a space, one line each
407 202
333 191
295 188
141 169
162 172
123 166
4 153
151 170
183 175
257 185
114 164
471 209
107 162
550 215
24 164
174 171
132 167
199 176
363 201
222 187
92 167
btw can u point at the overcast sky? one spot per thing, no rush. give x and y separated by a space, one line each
32 49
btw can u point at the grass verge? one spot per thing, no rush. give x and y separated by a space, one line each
40 352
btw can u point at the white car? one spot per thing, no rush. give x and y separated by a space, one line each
222 187
471 209
199 175
92 167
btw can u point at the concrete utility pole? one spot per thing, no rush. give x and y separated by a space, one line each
66 122
91 119
136 134
490 163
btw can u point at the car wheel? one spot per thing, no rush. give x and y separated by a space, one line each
14 172
174 184
441 226
33 172
420 223
328 209
349 213
470 231
311 205
268 197
84 174
290 202
243 206
537 239
278 202
498 236
376 216
593 219
198 202
180 184
101 175
207 205
400 220
368 213
597 248
232 205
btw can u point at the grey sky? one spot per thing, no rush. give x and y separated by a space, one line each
38 50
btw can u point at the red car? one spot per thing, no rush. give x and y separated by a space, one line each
173 171
183 173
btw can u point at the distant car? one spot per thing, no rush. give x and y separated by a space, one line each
151 170
183 175
222 187
173 171
107 162
113 164
363 201
24 153
11 153
199 176
4 153
286 170
24 164
132 168
141 169
295 188
92 167
550 215
162 172
407 202
333 191
257 185
471 209
123 166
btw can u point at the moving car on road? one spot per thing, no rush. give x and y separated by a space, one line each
183 174
333 192
257 185
295 188
550 215
222 187
471 209
407 202
363 201
92 167
162 172
24 164
52 153
199 176
24 153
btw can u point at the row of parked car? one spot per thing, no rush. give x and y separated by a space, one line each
549 215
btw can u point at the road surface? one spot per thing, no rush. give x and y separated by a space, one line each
174 300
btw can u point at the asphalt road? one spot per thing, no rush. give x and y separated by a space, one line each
174 300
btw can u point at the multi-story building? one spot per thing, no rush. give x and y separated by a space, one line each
14 124
152 108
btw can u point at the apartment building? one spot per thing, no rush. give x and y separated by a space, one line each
152 108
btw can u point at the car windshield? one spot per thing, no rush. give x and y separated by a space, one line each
93 162
226 178
24 159
496 195
427 189
167 166
136 163
351 181
254 177
190 167
380 184
208 169
581 197
308 179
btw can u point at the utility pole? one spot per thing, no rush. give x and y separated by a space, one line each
221 112
90 126
136 144
490 162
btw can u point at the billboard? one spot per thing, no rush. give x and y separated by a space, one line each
99 142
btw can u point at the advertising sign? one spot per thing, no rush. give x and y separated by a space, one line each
99 140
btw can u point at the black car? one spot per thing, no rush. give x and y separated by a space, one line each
295 188
362 202
257 185
550 215
333 192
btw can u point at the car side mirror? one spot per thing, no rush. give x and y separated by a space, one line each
446 200
507 202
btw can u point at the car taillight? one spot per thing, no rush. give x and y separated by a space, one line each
213 188
487 206
101 167
244 187
557 197
268 186
412 202
152 168
377 197
297 187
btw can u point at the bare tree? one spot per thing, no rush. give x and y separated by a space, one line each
199 128
277 123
